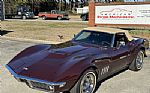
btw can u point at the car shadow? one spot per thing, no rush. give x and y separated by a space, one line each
21 18
4 32
56 19
102 81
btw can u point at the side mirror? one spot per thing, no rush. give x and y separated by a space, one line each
74 35
122 43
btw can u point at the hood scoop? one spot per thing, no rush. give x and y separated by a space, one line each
68 50
64 52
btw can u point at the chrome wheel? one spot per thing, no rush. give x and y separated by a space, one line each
44 17
24 17
88 83
139 60
59 18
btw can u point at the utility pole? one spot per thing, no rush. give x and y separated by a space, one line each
2 10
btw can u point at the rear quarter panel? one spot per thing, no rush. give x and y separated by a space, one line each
140 44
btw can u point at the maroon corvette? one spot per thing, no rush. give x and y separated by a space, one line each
77 65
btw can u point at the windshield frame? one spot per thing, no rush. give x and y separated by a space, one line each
111 44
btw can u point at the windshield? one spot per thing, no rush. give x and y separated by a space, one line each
92 37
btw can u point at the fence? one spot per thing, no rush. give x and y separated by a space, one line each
2 10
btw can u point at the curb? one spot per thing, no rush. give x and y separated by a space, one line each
29 40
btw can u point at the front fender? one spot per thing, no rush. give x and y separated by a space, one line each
72 71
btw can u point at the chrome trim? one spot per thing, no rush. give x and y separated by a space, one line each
34 79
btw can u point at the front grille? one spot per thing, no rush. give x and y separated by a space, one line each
39 85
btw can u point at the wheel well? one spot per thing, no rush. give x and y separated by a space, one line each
143 49
43 16
91 67
59 16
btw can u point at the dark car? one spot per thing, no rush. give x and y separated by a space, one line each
84 16
77 65
22 11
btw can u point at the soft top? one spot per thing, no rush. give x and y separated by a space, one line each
110 30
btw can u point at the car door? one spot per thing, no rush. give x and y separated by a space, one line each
119 53
54 14
119 58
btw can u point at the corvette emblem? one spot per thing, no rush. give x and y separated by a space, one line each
25 68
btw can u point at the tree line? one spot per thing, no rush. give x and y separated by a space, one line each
47 5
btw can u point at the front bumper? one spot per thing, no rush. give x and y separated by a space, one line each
30 16
37 83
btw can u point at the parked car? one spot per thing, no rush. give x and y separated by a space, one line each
84 16
54 14
24 12
77 65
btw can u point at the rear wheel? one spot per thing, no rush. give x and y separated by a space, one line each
86 83
44 17
59 17
137 63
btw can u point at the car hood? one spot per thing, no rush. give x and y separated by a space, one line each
52 63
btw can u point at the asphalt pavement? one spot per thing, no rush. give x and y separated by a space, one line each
125 82
76 20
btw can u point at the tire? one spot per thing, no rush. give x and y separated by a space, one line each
44 17
87 82
59 17
24 17
84 18
137 63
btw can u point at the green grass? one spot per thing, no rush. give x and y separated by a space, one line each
137 32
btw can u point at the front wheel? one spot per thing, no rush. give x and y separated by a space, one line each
86 83
24 17
83 18
137 63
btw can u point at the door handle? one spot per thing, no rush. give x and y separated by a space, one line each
123 57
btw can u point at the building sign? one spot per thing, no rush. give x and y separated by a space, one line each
1 10
123 14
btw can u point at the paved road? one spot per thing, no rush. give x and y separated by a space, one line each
126 82
50 20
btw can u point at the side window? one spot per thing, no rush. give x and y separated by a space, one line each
120 40
53 12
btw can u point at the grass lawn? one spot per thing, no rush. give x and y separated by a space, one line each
141 33
47 30
42 30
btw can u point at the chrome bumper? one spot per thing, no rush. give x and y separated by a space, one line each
29 80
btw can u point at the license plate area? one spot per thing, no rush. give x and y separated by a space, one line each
40 86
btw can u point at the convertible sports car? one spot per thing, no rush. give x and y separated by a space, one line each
77 65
